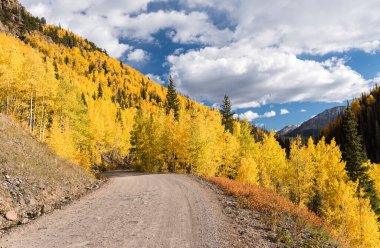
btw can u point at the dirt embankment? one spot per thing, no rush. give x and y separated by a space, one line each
33 181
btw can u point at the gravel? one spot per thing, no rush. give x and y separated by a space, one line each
135 210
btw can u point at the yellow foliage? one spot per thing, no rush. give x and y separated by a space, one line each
374 173
85 105
301 170
356 106
248 171
272 164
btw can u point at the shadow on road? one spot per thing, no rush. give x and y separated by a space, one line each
125 173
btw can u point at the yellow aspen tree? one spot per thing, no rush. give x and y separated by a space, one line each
204 147
374 173
301 170
61 141
230 156
243 131
248 171
353 219
272 164
10 67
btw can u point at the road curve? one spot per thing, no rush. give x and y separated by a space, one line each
132 210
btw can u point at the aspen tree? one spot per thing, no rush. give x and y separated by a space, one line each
301 171
272 164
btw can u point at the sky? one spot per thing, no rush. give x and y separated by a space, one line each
280 61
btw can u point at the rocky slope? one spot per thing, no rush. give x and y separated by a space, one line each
33 181
15 19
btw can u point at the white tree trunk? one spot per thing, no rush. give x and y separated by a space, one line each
7 112
31 110
42 122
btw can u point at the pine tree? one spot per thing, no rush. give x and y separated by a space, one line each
100 91
355 157
227 114
172 102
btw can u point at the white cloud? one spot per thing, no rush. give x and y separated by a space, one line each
251 54
248 74
193 27
178 51
137 55
269 114
92 19
106 22
284 111
315 26
249 115
156 78
303 110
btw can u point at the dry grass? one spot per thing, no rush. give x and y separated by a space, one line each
275 208
29 171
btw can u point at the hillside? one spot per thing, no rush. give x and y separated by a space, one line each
77 97
287 129
33 180
367 111
98 113
315 125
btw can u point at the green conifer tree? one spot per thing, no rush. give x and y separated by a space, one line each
355 158
172 102
100 91
227 114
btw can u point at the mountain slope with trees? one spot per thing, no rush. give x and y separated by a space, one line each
367 111
94 111
314 125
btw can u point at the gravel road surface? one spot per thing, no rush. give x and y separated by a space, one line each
133 210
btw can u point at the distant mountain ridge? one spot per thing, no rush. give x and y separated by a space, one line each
313 126
287 129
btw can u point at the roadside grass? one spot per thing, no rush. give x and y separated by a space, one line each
294 226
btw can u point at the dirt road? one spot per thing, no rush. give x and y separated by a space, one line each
132 210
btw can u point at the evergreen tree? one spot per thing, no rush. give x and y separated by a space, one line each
100 91
172 102
84 99
227 114
355 157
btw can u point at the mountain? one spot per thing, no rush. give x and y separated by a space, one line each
287 129
313 126
367 111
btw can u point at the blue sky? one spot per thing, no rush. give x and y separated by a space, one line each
280 62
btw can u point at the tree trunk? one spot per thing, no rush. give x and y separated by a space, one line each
31 110
7 111
42 122
298 183
60 119
34 117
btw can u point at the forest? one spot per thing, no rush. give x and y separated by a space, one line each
367 112
88 107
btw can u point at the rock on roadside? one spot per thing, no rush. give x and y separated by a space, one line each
11 215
